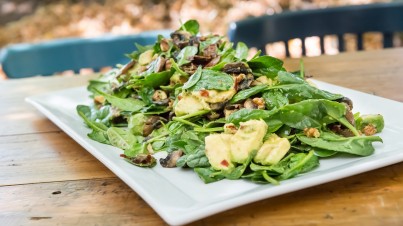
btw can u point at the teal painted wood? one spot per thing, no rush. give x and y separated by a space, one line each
383 17
47 58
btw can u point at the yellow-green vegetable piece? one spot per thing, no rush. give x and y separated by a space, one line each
218 151
247 140
272 150
189 104
146 57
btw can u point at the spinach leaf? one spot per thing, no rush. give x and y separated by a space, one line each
245 114
285 77
191 26
246 93
120 138
213 80
176 67
208 175
311 113
193 79
241 51
298 92
186 54
194 160
275 99
127 104
99 136
299 163
157 79
265 62
85 113
361 145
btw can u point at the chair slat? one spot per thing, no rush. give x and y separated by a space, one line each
357 19
360 41
340 41
388 39
322 44
303 47
287 49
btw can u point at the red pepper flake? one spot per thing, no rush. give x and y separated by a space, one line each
204 93
224 163
179 97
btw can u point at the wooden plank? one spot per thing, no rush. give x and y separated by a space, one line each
19 117
83 202
45 157
372 198
378 72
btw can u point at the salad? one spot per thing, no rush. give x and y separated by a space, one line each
220 113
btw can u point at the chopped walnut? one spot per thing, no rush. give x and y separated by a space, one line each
230 128
99 99
312 132
259 102
369 130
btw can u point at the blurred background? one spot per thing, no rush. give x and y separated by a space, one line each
41 20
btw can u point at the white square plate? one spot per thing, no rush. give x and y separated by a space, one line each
180 197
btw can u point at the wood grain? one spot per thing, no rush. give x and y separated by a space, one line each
378 72
45 157
46 178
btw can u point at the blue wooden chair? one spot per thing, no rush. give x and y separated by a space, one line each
47 58
259 31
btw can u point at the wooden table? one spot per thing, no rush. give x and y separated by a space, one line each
46 178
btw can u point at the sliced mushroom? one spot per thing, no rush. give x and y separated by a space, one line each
236 68
217 106
213 61
125 68
201 59
229 109
210 51
171 159
164 45
347 101
190 68
143 160
160 64
180 38
153 122
160 97
243 81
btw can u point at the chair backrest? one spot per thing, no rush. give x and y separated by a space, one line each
259 31
47 58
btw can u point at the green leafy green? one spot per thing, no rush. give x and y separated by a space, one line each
191 26
213 80
186 54
127 104
361 145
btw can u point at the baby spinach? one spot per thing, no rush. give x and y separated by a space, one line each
193 79
191 26
157 79
120 138
358 145
124 104
246 93
186 54
241 51
265 62
213 80
209 175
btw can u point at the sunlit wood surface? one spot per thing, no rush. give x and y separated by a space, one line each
46 178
